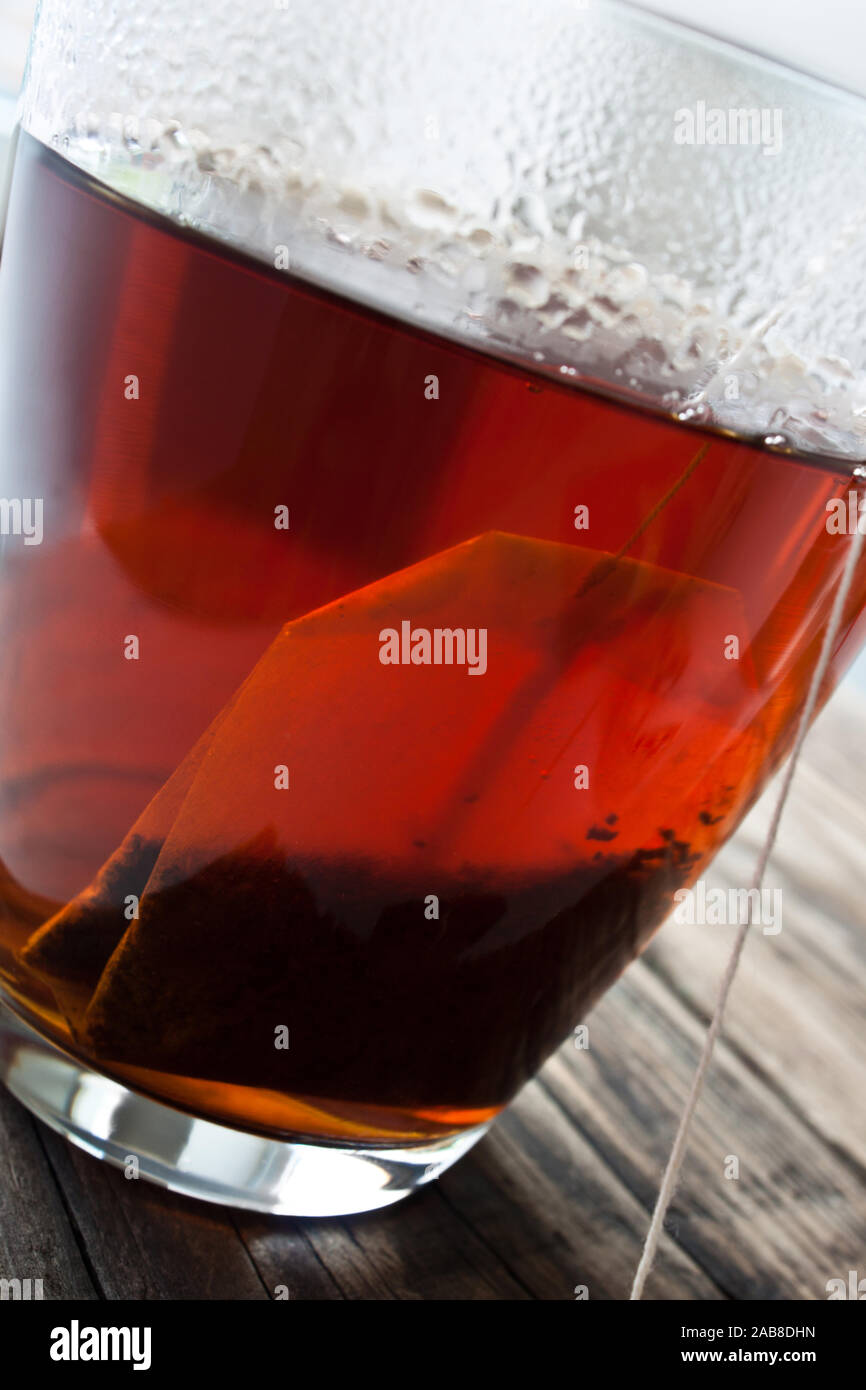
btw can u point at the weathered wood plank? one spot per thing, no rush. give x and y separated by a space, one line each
795 1216
37 1240
555 1211
283 1254
420 1249
146 1243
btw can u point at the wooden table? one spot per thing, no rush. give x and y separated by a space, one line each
559 1193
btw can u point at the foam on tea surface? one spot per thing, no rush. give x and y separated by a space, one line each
509 176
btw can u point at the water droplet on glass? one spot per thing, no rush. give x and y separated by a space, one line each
430 211
527 284
694 414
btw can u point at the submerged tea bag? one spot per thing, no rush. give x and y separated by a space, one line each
401 764
421 736
71 949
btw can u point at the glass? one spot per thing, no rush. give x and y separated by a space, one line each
423 496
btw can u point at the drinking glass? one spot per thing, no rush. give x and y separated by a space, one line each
431 442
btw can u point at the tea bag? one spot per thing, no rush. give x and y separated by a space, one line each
406 764
70 950
353 771
21 911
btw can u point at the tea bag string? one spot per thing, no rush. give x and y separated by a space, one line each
678 1151
606 566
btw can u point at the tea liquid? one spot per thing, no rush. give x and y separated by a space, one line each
253 868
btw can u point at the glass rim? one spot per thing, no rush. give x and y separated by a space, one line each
740 47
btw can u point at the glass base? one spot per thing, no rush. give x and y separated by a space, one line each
200 1158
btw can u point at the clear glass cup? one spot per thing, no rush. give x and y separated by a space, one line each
430 441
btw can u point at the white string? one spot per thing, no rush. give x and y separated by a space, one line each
678 1152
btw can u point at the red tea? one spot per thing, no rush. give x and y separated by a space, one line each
365 698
